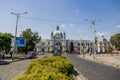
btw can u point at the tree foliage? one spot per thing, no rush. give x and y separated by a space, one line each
5 42
115 40
31 38
109 48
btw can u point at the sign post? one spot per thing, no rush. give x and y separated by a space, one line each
19 42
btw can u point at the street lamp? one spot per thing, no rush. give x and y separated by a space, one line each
54 46
18 15
93 22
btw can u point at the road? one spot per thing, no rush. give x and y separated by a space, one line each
92 70
13 69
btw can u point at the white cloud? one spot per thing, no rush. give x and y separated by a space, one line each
71 25
101 33
62 25
118 26
67 25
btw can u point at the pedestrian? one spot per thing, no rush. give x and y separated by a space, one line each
25 54
2 56
11 53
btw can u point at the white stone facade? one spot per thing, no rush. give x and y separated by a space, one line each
58 40
102 43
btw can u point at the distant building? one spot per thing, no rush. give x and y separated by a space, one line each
59 42
102 43
57 39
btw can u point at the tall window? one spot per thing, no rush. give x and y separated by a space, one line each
43 44
48 43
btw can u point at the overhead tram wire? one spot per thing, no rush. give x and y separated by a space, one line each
105 17
20 26
76 22
114 25
90 34
110 34
109 14
50 20
86 33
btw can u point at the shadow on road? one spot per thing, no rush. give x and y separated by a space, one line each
75 73
8 61
4 62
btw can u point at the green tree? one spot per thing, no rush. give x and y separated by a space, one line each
109 48
115 40
31 38
5 42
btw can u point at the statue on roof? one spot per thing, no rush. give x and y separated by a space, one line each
57 28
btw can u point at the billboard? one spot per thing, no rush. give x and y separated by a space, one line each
20 42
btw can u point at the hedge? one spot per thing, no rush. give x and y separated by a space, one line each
48 68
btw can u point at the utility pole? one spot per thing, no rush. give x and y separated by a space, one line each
93 22
18 15
80 45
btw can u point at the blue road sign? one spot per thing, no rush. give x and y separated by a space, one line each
20 42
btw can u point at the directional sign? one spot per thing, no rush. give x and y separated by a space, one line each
20 42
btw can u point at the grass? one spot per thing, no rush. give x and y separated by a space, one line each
7 56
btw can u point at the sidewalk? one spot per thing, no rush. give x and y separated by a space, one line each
7 61
11 68
107 59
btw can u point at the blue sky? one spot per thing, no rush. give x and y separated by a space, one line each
44 15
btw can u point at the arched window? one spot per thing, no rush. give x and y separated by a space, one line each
48 43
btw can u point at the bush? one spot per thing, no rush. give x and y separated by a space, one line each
46 74
48 68
109 48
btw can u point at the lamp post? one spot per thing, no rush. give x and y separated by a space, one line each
18 15
80 45
93 22
54 45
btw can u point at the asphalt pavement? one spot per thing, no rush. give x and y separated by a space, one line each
92 70
12 68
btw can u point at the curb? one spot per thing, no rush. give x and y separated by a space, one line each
102 62
78 76
4 62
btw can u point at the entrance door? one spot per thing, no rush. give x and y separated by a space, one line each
57 48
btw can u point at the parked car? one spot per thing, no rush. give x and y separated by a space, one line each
2 56
30 54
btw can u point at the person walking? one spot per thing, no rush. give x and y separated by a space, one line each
11 54
2 56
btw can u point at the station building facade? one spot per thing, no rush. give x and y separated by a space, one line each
58 41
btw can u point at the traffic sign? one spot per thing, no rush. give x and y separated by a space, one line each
20 42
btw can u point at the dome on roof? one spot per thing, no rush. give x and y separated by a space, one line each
57 31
